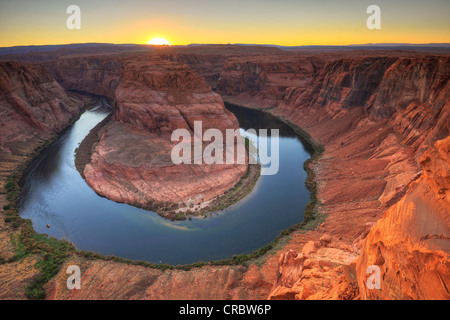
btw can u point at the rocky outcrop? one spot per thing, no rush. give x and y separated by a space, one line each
133 282
209 61
411 243
409 94
132 161
208 66
322 271
415 94
160 96
153 96
30 92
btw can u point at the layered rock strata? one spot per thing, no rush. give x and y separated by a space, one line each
33 107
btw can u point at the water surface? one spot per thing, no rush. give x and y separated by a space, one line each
54 193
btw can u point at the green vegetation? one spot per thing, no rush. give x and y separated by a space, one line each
27 242
53 252
239 190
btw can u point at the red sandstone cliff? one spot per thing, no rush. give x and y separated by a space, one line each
411 243
375 116
410 94
33 107
98 74
265 81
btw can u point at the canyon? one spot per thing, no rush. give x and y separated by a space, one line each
382 180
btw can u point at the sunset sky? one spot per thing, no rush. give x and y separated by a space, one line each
282 22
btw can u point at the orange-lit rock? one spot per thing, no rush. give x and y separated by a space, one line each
410 243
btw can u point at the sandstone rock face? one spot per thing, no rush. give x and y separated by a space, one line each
208 66
410 95
98 75
266 80
132 162
416 93
411 243
161 96
375 116
30 92
108 280
318 273
208 61
33 107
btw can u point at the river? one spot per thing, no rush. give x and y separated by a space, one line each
54 193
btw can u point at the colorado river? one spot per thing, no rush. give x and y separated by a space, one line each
54 193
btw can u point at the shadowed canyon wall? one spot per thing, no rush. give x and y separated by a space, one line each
33 107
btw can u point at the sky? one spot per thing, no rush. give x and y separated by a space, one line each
281 22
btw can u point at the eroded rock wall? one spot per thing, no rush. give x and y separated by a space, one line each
411 242
98 74
33 108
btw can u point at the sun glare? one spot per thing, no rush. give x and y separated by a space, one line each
159 42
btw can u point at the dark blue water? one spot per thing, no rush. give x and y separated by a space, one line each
54 193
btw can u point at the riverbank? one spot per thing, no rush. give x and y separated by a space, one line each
27 259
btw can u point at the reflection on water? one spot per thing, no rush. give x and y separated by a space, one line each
54 193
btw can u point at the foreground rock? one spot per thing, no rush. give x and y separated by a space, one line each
411 243
320 272
106 280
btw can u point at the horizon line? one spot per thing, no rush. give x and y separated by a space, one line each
242 44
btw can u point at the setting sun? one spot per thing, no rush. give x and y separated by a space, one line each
159 42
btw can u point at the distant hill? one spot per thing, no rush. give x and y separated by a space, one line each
28 49
49 52
427 47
